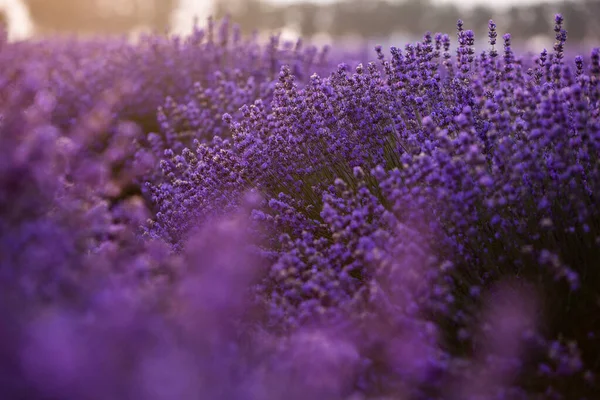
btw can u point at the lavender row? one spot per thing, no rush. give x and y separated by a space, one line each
461 171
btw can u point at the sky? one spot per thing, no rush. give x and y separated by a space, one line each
16 11
183 17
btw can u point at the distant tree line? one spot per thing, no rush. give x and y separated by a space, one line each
381 18
372 18
100 16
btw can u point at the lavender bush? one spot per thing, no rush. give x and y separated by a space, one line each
209 217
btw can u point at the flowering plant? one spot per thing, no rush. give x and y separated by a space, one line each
421 226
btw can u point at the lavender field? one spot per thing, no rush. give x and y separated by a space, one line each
214 217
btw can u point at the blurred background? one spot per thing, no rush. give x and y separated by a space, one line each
384 21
